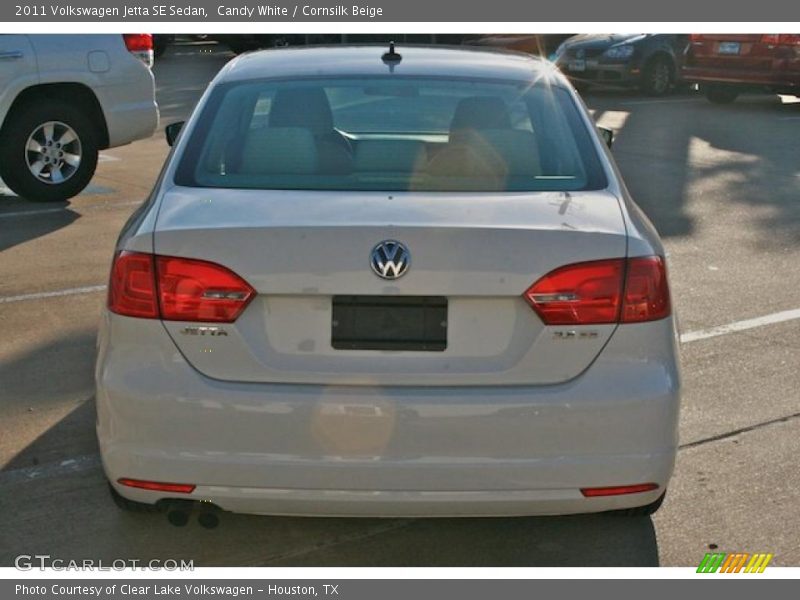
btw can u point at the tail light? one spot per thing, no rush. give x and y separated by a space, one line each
618 490
132 288
176 289
140 45
789 39
781 39
603 291
158 486
646 291
195 290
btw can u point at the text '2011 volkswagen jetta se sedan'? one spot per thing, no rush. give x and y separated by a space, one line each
389 283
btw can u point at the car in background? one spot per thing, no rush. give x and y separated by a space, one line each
651 62
725 65
389 283
538 44
162 41
246 42
63 98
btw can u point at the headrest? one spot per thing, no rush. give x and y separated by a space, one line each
279 151
302 107
493 153
480 112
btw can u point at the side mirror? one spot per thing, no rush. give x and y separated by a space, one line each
608 136
171 132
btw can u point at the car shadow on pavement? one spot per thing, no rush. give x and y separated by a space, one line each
569 541
662 155
36 386
761 170
19 228
651 151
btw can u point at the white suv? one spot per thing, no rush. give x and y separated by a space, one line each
65 97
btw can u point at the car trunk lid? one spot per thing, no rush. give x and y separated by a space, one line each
304 251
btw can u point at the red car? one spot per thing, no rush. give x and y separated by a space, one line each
724 65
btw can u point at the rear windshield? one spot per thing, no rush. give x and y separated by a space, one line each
391 134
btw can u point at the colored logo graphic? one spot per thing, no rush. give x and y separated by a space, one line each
738 562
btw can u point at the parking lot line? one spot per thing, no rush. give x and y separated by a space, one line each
665 101
23 213
89 289
75 464
44 211
778 317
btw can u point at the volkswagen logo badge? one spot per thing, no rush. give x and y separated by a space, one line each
390 259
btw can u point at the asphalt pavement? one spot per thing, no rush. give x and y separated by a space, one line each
721 184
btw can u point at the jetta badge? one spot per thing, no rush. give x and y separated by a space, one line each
390 259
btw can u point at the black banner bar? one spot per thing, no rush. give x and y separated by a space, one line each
465 11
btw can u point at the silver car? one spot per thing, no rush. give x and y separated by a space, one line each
384 283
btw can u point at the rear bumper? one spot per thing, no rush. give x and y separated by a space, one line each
388 451
393 503
777 80
604 73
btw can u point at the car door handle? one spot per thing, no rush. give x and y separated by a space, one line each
11 54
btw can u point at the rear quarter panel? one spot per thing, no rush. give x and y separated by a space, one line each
122 84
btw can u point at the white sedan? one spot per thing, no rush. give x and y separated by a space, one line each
389 283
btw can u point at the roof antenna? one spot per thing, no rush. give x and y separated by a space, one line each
391 58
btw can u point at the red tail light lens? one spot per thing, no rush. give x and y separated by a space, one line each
132 289
176 289
603 291
789 39
646 290
578 294
140 45
618 490
138 42
195 290
158 486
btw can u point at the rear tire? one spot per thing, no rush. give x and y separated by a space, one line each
29 127
160 44
719 94
581 86
642 511
658 76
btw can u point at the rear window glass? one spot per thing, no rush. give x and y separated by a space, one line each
393 134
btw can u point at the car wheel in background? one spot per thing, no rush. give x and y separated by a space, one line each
48 151
657 76
580 86
160 44
720 94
